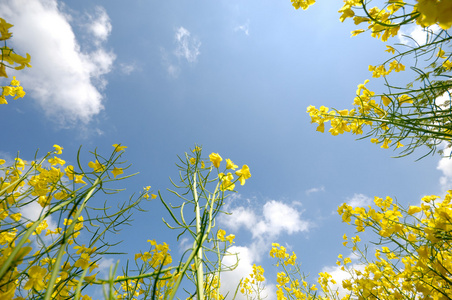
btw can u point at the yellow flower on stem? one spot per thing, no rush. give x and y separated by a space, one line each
96 166
220 234
36 276
243 174
119 148
215 158
230 164
79 179
230 238
117 171
58 149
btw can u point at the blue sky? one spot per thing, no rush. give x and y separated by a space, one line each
233 76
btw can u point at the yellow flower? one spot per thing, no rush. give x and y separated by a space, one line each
215 158
447 65
220 234
4 30
230 164
57 148
3 71
230 238
79 179
243 174
390 49
96 166
386 143
16 217
414 209
117 171
386 100
405 99
441 53
119 148
356 32
36 276
226 182
192 160
56 161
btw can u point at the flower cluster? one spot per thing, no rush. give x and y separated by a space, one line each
227 180
58 259
303 4
14 61
420 245
221 236
412 110
253 285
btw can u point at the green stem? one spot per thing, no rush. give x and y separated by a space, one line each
198 257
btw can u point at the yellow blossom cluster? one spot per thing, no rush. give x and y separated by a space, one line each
14 61
421 247
303 4
227 181
156 257
408 111
211 287
253 284
366 112
221 236
412 260
291 282
434 12
386 22
54 186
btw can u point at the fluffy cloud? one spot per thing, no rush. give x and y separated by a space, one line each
359 200
100 25
187 48
277 218
64 80
231 279
266 225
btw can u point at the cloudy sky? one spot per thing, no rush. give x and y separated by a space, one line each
233 76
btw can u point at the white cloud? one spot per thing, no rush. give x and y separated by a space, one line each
279 217
315 190
264 226
245 28
359 200
445 166
413 34
100 26
240 217
65 81
187 46
231 279
127 69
